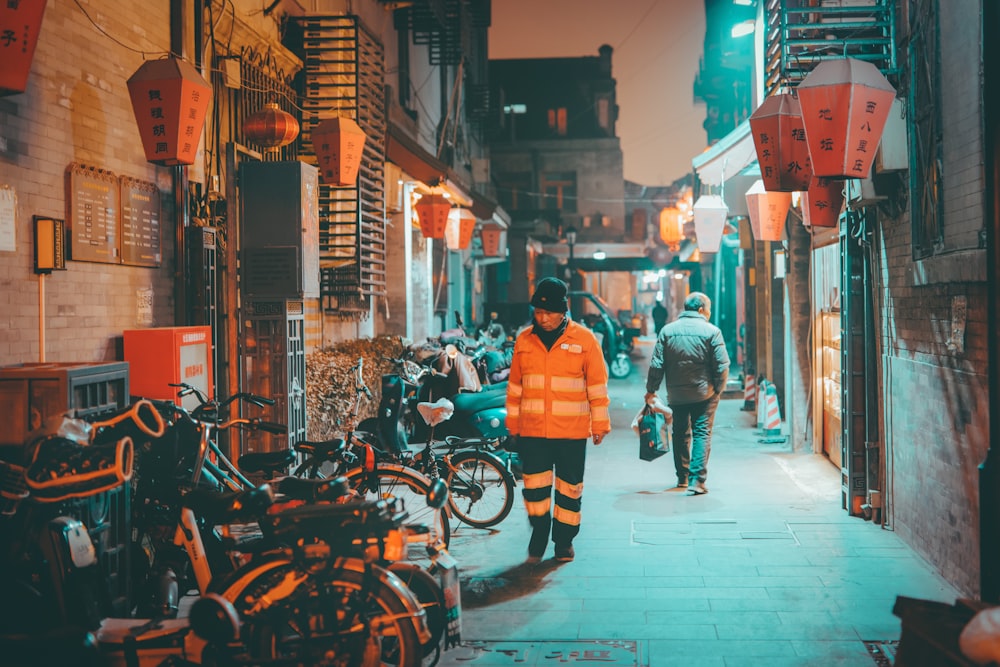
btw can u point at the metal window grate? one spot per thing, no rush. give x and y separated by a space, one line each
344 74
799 34
263 82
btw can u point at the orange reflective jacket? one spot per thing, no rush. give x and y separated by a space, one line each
558 393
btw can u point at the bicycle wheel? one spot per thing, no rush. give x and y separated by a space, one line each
428 592
411 487
481 489
341 618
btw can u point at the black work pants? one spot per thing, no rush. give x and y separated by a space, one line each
547 465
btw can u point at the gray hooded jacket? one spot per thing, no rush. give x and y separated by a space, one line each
691 355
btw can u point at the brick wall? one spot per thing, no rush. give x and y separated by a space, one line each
936 401
76 109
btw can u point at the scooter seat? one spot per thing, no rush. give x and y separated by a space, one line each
436 412
470 403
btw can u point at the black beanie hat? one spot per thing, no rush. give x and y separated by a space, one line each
550 295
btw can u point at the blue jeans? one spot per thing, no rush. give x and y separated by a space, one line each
692 431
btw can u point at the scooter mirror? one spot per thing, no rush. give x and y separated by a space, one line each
437 495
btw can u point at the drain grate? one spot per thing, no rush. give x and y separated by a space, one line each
617 652
882 652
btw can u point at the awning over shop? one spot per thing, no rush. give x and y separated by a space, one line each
727 157
405 152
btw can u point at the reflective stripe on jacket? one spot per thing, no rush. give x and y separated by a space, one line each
558 393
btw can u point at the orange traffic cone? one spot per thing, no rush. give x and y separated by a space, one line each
772 417
749 393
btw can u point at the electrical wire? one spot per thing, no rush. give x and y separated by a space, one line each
115 40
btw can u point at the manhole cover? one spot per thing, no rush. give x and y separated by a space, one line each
618 652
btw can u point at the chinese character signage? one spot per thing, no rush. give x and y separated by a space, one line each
822 203
780 140
845 104
767 212
339 144
170 101
20 23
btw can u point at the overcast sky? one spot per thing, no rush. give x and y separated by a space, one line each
657 44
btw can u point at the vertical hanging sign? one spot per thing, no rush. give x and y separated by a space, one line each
20 24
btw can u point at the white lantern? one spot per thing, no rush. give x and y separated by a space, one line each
710 213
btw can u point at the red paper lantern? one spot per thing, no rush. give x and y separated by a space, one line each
710 213
271 127
768 211
169 100
822 202
432 211
845 103
672 227
458 231
339 144
780 140
20 23
492 237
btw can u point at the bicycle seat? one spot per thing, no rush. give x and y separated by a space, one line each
216 507
469 403
314 490
268 463
434 413
322 450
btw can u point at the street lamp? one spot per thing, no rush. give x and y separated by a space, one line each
570 235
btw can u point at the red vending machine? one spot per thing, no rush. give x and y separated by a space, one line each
163 356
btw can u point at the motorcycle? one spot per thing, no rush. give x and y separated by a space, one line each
480 414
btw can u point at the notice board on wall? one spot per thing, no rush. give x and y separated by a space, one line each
112 219
92 208
140 222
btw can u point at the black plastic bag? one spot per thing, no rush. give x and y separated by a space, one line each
652 442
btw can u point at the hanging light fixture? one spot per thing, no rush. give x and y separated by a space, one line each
768 211
271 127
432 211
845 104
458 230
822 202
710 213
339 144
169 100
20 23
672 227
780 140
492 237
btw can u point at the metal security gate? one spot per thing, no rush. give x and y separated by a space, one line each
344 76
860 459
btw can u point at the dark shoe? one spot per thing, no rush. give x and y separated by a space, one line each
536 546
564 553
697 489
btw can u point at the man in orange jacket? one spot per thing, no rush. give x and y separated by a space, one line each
557 397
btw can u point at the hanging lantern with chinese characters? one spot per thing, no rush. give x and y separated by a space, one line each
339 144
845 104
170 100
822 202
710 213
271 127
432 211
458 231
20 23
768 211
780 140
492 237
672 227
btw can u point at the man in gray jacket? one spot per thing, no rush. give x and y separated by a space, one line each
691 355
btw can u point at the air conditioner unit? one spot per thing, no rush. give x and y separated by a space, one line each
892 150
861 192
